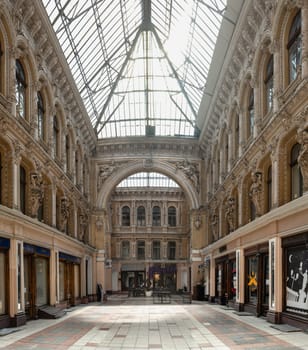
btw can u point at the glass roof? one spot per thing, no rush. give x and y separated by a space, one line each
149 179
141 66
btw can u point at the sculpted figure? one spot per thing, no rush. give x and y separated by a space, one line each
255 191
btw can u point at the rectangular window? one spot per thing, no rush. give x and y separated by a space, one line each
125 249
141 250
156 250
171 248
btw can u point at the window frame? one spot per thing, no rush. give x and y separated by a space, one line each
125 216
294 46
20 90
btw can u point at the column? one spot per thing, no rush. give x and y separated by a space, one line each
53 277
212 279
240 278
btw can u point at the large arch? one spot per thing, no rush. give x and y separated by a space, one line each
165 168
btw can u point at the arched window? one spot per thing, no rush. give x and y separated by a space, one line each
156 250
40 116
269 188
56 137
126 216
77 170
141 216
269 85
296 175
251 114
172 216
68 153
236 136
20 90
156 216
125 249
22 188
1 69
294 47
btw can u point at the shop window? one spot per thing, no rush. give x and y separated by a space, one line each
269 85
296 175
156 216
141 216
141 250
3 281
171 249
56 137
172 216
252 280
41 279
125 249
251 114
20 89
40 116
22 185
156 250
126 216
294 47
296 280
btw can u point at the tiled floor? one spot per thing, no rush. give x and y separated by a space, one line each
137 323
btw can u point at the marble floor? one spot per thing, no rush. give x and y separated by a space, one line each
138 323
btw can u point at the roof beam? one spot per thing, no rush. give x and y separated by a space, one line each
114 86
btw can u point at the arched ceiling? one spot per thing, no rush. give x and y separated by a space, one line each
141 66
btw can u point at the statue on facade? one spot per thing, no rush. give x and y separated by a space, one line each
84 221
303 155
64 214
214 224
191 171
37 193
230 213
255 191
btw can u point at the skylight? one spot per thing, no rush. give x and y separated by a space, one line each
140 66
148 180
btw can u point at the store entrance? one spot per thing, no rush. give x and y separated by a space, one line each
36 284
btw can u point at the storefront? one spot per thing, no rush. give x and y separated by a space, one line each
36 278
295 281
4 282
225 279
163 276
69 279
257 280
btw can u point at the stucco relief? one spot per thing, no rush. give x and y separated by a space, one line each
104 172
191 171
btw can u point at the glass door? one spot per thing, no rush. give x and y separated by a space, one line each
41 281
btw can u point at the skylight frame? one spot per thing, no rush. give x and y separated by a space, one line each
96 65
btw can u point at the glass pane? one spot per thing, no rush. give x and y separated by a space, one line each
41 269
3 279
252 282
61 281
